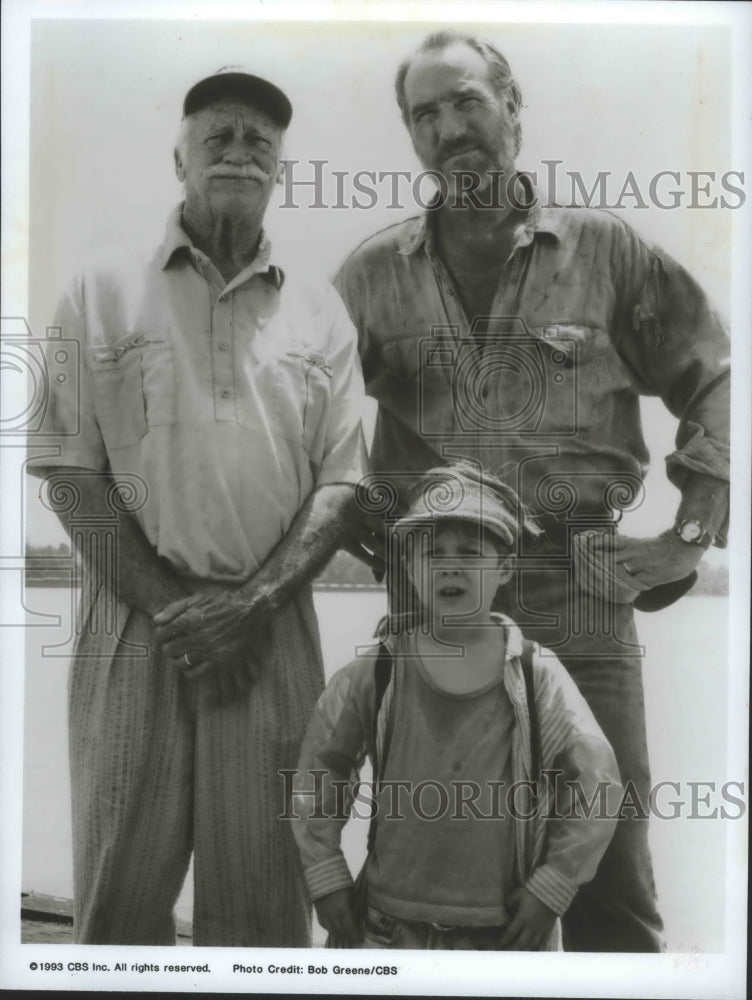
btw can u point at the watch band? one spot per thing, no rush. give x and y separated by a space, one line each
693 532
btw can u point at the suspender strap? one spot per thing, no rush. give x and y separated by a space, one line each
382 676
526 660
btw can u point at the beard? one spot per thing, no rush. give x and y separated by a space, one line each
479 166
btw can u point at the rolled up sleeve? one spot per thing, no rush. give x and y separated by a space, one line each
678 345
331 756
69 434
344 450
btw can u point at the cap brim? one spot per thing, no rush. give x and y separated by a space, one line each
433 517
256 91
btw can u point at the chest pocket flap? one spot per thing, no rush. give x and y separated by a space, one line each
134 386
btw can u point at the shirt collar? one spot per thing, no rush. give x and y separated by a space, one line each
176 239
513 646
391 630
534 219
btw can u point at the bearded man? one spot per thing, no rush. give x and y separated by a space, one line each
521 337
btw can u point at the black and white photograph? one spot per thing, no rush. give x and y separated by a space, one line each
375 446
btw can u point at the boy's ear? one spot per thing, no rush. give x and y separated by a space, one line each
506 568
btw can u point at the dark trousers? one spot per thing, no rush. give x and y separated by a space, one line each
596 641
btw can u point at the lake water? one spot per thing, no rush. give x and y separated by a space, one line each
685 690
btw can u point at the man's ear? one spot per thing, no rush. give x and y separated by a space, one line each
406 566
179 169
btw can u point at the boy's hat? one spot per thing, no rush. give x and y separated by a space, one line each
461 493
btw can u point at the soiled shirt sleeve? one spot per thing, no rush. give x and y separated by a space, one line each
351 284
577 836
69 432
678 346
344 451
331 755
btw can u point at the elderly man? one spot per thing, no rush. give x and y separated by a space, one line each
521 337
227 394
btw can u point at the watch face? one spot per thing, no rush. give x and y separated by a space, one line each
690 531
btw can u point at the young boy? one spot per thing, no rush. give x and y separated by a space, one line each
459 857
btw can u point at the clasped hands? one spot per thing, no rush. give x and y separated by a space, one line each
209 637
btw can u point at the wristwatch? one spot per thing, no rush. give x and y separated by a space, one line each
692 531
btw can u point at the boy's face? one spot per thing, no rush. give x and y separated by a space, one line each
459 574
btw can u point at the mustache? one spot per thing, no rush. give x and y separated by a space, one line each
457 147
246 171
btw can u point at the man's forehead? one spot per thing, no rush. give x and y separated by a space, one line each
232 109
437 71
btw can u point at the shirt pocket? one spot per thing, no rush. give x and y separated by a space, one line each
303 386
134 386
414 382
582 371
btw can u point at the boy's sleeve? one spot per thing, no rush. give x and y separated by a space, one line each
587 794
332 753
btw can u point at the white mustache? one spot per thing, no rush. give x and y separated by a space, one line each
247 172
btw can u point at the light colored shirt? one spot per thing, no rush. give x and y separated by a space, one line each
441 862
555 851
231 402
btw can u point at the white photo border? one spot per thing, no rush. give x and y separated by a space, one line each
482 974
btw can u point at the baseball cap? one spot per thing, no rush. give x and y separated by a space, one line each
461 493
234 81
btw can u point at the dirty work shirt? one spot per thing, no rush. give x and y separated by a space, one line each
441 862
231 402
585 319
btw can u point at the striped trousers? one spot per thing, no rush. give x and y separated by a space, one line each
157 775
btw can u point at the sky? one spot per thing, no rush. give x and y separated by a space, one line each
105 107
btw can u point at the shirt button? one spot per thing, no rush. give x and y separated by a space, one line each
225 393
223 298
222 346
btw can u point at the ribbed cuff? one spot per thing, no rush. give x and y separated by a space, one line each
552 888
328 876
339 476
69 458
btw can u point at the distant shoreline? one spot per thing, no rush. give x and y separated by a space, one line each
57 582
50 566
